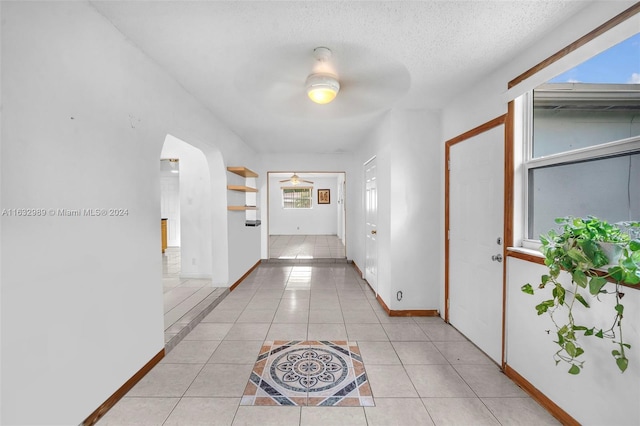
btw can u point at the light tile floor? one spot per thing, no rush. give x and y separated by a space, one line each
181 296
421 370
306 247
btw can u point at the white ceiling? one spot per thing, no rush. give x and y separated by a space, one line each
248 61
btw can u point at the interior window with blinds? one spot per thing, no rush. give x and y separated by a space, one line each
297 198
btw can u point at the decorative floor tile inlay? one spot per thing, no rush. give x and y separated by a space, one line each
308 373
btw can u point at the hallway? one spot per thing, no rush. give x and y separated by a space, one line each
421 371
306 247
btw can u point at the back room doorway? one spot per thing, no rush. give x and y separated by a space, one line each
307 215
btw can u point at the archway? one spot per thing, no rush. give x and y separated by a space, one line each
196 271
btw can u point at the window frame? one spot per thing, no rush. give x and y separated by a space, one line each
310 197
603 150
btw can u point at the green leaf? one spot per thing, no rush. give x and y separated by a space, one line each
596 284
617 273
619 309
577 256
615 353
623 363
579 351
599 334
628 263
591 250
554 270
634 245
527 288
580 278
571 349
580 299
574 369
631 278
559 292
589 332
542 308
626 345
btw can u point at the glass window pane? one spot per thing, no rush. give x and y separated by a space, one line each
606 188
596 102
296 198
567 128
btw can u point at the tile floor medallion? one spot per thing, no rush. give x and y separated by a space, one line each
314 373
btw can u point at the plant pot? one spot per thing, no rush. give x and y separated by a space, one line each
613 251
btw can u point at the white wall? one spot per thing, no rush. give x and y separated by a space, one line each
320 219
600 394
410 215
84 118
580 396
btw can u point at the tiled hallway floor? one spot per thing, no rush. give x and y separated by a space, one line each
183 298
420 370
306 247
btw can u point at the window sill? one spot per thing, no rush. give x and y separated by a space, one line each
535 256
529 255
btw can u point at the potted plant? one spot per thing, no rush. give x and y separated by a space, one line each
577 248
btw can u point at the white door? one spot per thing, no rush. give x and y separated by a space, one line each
475 239
371 225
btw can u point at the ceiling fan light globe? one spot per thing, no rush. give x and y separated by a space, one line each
322 88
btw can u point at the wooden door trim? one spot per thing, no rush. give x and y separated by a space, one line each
507 237
498 121
621 17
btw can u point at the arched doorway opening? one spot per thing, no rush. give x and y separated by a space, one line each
189 206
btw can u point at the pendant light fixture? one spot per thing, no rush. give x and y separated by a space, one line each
322 85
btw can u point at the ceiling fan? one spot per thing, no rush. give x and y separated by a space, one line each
361 80
295 179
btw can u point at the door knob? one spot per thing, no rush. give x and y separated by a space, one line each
374 232
497 257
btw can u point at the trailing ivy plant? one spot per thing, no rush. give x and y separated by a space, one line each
576 248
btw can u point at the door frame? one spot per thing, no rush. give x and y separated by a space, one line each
344 203
364 271
508 201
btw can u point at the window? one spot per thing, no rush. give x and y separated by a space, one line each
582 145
297 198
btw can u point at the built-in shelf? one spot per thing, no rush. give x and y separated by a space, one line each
241 208
241 188
242 171
250 197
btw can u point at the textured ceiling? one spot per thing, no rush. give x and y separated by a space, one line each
248 61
